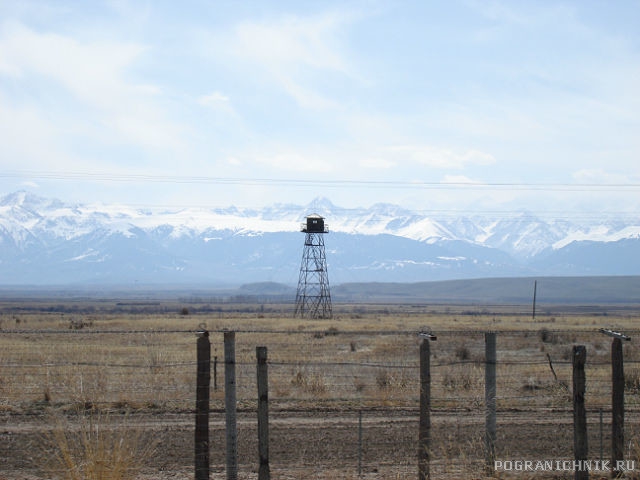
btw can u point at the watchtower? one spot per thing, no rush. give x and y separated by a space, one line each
313 298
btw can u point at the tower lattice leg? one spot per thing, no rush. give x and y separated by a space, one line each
313 297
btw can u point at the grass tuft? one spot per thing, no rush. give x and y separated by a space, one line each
96 448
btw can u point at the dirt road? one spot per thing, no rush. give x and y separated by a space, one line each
319 444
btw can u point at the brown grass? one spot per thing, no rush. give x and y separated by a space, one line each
314 365
319 360
95 448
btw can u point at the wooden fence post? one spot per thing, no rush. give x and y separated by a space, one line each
490 399
202 406
535 291
424 435
263 414
580 445
215 372
359 443
230 404
617 406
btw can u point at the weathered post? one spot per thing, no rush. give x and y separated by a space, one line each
230 404
617 406
202 406
359 443
601 437
215 372
424 434
580 445
617 399
263 414
490 399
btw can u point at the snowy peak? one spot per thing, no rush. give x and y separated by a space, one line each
523 235
381 242
599 233
321 204
27 201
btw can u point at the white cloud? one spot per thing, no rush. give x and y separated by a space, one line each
292 51
295 162
443 158
234 161
28 137
295 91
377 163
92 72
142 132
96 75
307 97
600 176
213 99
292 40
518 15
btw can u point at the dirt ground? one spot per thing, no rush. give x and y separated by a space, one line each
324 444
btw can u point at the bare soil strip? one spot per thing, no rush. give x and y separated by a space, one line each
324 444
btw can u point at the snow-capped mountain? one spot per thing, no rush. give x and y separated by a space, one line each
47 241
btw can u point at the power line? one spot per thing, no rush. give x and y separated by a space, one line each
336 183
392 184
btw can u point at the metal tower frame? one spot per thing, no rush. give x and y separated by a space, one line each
313 298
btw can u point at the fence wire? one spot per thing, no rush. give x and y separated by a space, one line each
319 384
358 367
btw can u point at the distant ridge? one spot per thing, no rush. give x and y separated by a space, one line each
550 290
600 290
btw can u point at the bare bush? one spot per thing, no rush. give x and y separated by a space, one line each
97 450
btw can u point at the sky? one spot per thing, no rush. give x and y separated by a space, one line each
456 106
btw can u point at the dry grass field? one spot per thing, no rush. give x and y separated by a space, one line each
115 381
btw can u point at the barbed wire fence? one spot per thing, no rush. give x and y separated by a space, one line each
346 401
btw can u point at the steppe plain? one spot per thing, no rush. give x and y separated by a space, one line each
127 368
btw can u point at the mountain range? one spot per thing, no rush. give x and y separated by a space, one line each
45 241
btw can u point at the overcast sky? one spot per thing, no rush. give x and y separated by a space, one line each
435 105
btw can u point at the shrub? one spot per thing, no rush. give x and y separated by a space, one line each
391 380
632 381
462 353
309 382
453 382
98 450
547 336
